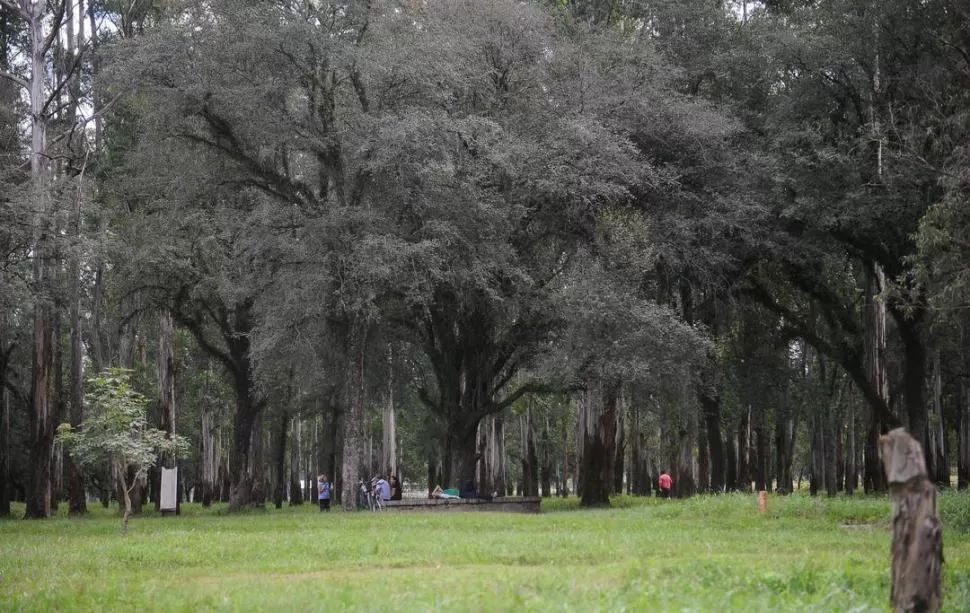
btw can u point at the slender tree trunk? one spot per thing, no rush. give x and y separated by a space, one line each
279 464
937 429
497 461
5 484
744 438
783 474
831 455
389 448
598 411
817 479
353 427
620 449
963 435
296 443
731 473
761 482
852 453
711 406
42 426
209 471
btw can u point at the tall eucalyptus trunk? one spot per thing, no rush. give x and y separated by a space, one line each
42 404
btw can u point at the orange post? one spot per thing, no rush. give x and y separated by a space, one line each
762 501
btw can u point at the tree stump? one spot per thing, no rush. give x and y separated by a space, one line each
917 546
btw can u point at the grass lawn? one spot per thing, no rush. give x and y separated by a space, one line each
704 554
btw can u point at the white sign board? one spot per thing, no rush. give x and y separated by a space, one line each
169 494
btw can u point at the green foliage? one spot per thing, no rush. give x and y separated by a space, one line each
708 553
116 430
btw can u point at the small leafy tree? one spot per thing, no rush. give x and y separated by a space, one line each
116 431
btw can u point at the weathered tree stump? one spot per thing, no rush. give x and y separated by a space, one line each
917 546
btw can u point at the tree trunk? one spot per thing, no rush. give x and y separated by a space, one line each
731 461
910 326
279 464
831 455
784 432
166 400
620 450
874 345
42 426
761 482
711 406
5 484
744 438
296 443
353 426
963 435
684 484
703 460
389 448
209 467
852 453
917 547
125 498
940 467
598 413
817 479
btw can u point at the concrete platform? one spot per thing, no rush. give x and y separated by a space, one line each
509 504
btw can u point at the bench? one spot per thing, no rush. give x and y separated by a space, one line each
507 504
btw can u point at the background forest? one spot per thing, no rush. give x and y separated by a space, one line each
549 247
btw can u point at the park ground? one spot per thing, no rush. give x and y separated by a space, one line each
710 553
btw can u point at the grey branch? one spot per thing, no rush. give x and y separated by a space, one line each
16 79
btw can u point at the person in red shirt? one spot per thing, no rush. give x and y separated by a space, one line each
665 483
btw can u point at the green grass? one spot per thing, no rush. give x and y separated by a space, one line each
704 554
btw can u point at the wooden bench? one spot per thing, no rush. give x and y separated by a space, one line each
507 504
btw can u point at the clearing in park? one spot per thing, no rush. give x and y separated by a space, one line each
703 554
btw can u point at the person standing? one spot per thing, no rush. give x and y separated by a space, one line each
383 488
323 492
665 483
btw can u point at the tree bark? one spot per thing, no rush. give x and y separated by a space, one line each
910 326
620 449
5 484
874 346
963 436
353 426
42 426
279 464
731 472
761 482
940 467
917 545
389 419
851 453
744 444
711 405
296 444
210 452
598 411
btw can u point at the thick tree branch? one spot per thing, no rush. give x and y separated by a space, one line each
56 20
